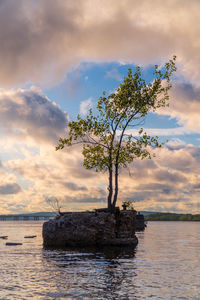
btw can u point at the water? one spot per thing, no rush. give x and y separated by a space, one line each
165 265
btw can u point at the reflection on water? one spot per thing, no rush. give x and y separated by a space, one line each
92 272
165 265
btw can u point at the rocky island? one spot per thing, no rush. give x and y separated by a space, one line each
99 228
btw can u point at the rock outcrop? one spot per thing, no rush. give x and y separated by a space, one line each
91 229
140 222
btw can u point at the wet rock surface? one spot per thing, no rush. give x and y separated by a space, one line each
91 229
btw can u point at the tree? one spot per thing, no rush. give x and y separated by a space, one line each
107 143
54 204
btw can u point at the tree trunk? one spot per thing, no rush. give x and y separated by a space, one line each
116 186
110 189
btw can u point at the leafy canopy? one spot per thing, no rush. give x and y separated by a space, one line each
105 137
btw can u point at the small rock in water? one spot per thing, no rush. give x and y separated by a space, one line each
4 237
13 244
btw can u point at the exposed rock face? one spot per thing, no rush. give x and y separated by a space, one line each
91 229
140 222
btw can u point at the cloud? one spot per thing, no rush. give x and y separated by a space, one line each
173 178
184 106
114 74
85 106
48 173
157 187
84 200
167 184
74 187
74 84
176 143
170 181
41 40
30 114
161 131
8 189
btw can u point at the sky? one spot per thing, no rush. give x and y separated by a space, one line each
56 59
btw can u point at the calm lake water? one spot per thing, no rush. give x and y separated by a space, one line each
165 265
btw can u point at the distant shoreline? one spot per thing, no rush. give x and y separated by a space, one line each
172 217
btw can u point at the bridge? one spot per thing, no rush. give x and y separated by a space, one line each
25 217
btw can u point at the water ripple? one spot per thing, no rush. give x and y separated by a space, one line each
165 265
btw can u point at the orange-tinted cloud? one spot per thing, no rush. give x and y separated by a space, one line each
185 106
32 170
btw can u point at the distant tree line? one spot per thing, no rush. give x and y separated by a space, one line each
172 217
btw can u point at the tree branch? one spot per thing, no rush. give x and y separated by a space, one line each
90 142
